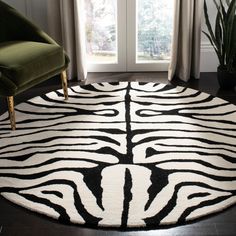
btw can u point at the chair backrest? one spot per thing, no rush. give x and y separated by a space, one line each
4 9
14 26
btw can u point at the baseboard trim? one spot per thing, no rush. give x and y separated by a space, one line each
207 47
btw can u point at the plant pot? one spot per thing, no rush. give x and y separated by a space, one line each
226 78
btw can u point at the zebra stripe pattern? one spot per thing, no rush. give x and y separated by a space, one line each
123 155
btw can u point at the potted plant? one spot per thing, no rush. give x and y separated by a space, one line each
223 39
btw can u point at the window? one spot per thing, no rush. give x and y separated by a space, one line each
154 30
129 35
101 31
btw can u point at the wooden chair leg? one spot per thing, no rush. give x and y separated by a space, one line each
64 84
10 101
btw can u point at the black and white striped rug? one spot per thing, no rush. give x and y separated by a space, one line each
123 155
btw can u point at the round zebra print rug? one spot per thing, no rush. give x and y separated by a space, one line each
122 155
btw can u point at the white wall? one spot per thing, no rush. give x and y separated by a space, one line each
37 11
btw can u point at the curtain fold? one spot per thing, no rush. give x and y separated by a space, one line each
66 26
186 46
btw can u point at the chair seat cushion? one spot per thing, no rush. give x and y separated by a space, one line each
23 62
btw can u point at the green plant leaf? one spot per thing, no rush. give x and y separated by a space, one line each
223 24
223 39
232 53
217 6
212 36
218 32
222 9
228 2
216 50
234 43
230 9
230 29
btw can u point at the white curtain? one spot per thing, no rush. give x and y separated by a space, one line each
186 47
66 26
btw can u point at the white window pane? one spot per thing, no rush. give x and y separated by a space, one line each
154 31
101 31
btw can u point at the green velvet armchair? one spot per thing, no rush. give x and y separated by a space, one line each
28 56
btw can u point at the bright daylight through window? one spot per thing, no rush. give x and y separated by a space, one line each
155 20
153 23
101 30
